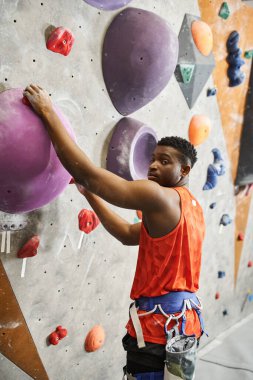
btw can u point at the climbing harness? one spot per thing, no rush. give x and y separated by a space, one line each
180 348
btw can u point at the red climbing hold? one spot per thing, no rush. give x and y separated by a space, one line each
240 236
71 181
217 295
88 220
26 101
61 332
61 41
250 264
54 338
30 248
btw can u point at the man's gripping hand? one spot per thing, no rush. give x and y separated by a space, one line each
39 99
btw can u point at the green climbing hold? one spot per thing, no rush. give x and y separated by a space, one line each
248 54
224 11
186 71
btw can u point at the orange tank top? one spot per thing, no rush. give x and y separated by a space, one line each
170 263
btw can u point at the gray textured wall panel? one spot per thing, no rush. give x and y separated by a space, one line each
78 289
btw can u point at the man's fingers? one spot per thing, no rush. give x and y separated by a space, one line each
35 87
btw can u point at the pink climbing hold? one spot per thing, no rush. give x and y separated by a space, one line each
30 248
61 41
88 220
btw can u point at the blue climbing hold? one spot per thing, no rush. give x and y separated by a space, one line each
212 205
214 170
236 77
225 220
221 274
211 91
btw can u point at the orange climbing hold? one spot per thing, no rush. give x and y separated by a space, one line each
30 248
199 129
202 36
94 339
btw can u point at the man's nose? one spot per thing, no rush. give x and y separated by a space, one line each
153 165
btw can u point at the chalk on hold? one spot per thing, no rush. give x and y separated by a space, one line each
240 236
60 41
224 11
30 248
221 274
248 54
186 71
94 339
225 220
211 91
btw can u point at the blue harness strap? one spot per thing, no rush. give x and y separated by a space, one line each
149 376
171 303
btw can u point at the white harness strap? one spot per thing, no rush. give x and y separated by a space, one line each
137 326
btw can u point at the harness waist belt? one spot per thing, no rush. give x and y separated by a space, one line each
171 303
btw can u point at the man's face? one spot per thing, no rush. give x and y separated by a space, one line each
165 167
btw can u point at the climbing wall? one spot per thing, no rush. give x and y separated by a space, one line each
78 280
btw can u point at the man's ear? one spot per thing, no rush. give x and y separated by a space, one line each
185 170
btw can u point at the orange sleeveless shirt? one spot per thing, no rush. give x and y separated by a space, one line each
170 263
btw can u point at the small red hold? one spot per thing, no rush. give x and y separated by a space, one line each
61 332
240 236
54 338
25 101
30 248
217 295
250 264
71 181
88 220
61 41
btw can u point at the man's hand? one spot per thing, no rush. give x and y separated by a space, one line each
39 99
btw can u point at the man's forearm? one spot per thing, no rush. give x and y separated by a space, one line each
72 157
113 223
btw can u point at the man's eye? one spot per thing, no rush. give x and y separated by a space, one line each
165 162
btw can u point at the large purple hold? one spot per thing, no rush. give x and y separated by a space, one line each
107 5
130 149
140 54
31 175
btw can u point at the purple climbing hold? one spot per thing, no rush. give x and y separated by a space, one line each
107 5
130 149
31 174
140 54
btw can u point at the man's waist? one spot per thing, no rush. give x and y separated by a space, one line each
172 302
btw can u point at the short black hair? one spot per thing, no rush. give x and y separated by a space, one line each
183 146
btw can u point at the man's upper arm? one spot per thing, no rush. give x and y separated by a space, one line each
135 195
134 234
